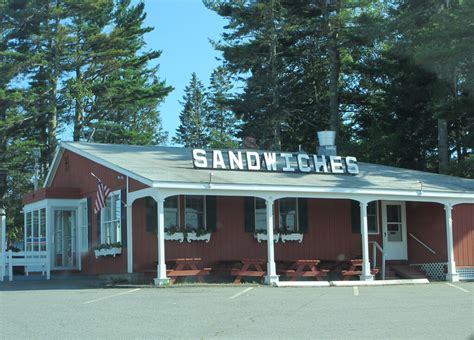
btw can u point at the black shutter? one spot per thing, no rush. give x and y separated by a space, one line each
123 216
355 216
97 217
89 222
151 215
249 214
211 213
303 215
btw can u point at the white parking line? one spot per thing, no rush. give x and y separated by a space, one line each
240 293
356 290
460 288
111 296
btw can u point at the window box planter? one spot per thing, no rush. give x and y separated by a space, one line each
263 237
194 237
291 237
108 252
175 237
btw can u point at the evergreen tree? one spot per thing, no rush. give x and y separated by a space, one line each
114 91
192 131
221 120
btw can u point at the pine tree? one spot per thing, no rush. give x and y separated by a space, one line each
221 120
192 132
114 91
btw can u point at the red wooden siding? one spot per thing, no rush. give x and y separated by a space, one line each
77 175
463 234
46 193
329 236
427 222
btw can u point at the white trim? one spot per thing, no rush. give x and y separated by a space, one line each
276 192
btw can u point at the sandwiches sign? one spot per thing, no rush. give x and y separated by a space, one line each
273 161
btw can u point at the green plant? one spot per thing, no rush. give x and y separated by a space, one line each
201 232
108 246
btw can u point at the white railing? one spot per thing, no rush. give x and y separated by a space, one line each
375 247
422 243
33 261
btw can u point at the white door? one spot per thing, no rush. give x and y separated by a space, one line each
394 230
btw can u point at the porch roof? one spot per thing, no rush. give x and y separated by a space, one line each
157 164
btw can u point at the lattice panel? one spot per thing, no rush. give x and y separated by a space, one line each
465 273
434 271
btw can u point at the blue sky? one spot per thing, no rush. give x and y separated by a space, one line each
182 32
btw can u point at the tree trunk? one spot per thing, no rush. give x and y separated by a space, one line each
274 77
3 167
443 151
334 70
53 83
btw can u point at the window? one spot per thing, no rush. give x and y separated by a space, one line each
260 214
292 214
111 217
195 216
288 216
372 218
171 206
35 230
83 228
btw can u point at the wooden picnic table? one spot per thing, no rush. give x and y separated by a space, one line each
356 269
250 268
302 268
185 267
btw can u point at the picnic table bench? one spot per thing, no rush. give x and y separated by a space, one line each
250 268
356 269
302 268
187 267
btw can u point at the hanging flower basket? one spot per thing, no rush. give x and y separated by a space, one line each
292 237
263 237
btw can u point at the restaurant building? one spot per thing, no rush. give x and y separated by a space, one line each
223 205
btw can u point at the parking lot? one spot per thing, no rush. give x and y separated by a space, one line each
84 309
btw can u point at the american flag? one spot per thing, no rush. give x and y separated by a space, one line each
102 193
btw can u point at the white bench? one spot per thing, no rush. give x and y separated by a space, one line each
33 261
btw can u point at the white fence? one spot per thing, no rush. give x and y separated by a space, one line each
32 261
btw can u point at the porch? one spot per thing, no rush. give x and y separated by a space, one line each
331 237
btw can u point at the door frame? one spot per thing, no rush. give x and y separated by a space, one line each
404 244
76 250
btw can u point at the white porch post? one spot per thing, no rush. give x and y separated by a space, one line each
452 275
161 278
366 274
129 238
271 277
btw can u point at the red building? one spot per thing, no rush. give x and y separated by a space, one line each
170 202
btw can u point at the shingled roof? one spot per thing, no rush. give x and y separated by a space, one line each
153 165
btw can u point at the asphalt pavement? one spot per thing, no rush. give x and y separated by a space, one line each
85 309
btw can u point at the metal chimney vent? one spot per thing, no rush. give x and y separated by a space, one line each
327 143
